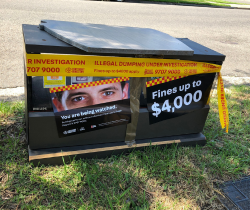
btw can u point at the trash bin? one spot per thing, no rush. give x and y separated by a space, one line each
170 109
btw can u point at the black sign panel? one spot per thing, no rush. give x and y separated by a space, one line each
91 118
84 107
178 97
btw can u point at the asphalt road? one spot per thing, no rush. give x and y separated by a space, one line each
223 30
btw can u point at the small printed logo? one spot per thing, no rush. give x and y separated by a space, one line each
93 126
72 131
148 71
68 70
82 129
81 78
65 132
78 70
54 77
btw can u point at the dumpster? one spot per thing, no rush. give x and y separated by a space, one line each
94 90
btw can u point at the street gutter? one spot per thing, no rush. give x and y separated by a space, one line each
232 6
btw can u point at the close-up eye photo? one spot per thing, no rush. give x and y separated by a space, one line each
108 93
78 99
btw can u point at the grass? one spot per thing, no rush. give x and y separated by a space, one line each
156 178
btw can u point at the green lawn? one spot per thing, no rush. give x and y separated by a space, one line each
157 178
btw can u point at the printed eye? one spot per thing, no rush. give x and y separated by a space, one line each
108 93
78 98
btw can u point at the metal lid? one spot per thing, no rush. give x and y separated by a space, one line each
97 38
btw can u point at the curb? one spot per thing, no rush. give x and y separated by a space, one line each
179 4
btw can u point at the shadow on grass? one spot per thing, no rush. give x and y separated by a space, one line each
157 177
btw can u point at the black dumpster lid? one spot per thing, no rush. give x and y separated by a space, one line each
38 41
99 38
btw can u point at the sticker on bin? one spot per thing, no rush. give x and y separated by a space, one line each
170 98
54 81
79 80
